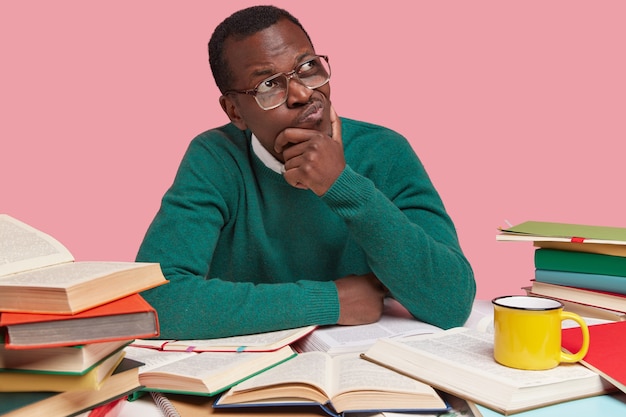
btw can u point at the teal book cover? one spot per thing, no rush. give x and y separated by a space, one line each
598 282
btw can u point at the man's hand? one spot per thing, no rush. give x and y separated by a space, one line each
313 159
361 299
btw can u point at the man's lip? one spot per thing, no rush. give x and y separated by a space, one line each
312 114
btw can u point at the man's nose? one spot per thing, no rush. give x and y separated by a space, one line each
298 93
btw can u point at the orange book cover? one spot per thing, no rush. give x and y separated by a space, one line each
607 350
131 317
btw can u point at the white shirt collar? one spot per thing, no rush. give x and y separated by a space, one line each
266 157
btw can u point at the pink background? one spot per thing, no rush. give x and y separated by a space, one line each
517 109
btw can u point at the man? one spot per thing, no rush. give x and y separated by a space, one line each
290 216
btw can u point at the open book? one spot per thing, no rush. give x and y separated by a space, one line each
396 321
339 384
460 361
259 342
39 275
204 373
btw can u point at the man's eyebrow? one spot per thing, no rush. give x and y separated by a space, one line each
264 72
267 72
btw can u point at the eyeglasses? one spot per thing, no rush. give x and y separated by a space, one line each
273 91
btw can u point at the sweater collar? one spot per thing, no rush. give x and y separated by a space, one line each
267 158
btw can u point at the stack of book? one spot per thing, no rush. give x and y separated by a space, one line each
582 266
64 325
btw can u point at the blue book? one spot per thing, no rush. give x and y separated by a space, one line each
609 283
602 405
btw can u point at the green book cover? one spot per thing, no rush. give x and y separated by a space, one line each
568 230
589 263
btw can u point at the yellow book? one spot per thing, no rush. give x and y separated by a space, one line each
24 381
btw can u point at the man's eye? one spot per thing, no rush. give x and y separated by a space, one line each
307 67
268 85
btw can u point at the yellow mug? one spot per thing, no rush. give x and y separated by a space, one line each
527 332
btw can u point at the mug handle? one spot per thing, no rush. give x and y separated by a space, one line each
575 357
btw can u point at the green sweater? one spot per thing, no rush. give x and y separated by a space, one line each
245 252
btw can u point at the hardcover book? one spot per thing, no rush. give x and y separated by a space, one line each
582 262
123 319
610 283
25 381
607 349
66 359
39 275
595 298
537 231
123 382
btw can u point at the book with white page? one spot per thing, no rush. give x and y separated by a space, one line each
258 342
396 321
39 275
341 384
460 361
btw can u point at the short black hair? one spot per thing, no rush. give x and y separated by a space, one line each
240 25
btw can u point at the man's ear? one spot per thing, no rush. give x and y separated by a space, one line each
231 110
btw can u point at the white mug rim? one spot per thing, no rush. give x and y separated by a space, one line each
525 302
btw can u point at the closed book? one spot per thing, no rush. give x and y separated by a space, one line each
601 405
39 275
586 310
603 299
607 350
67 359
535 231
123 382
24 381
610 283
589 263
127 318
601 248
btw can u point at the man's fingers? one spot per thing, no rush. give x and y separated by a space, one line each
335 125
290 136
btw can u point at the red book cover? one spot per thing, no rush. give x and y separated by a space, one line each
94 325
607 350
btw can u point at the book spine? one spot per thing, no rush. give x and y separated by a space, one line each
588 263
598 282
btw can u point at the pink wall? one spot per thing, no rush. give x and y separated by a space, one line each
517 109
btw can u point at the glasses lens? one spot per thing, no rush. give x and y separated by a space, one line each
314 73
272 92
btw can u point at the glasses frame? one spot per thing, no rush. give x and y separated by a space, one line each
289 75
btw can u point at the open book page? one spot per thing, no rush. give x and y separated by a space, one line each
204 372
312 368
459 407
23 247
460 361
351 373
258 342
65 275
396 321
349 382
473 350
